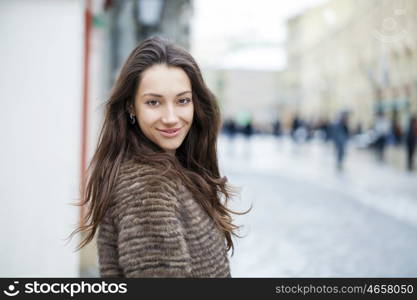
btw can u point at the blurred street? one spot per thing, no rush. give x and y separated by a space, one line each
310 220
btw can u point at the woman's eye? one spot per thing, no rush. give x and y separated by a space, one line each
152 102
185 100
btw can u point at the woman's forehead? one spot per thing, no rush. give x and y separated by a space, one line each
160 79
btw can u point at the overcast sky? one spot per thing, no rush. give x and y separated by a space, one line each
242 33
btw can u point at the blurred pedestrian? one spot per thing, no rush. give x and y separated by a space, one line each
295 125
324 129
396 134
248 129
340 136
309 130
276 128
411 139
230 129
382 129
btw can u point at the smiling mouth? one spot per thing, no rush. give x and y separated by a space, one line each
170 130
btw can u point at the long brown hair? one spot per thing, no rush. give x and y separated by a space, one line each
195 161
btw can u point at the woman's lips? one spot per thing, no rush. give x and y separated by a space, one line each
169 132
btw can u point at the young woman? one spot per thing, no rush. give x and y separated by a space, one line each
154 192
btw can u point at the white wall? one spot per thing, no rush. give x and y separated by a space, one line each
41 51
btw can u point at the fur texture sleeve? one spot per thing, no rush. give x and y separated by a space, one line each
150 233
107 250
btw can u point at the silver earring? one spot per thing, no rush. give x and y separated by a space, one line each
132 118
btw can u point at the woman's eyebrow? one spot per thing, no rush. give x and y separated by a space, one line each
183 93
151 94
160 96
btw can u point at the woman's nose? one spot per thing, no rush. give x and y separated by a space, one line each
170 115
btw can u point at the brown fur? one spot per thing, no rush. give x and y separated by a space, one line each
155 228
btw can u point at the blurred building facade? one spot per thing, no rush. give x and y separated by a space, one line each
131 21
256 95
355 55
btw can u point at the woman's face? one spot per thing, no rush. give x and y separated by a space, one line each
164 106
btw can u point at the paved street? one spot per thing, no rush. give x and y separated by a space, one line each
309 220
